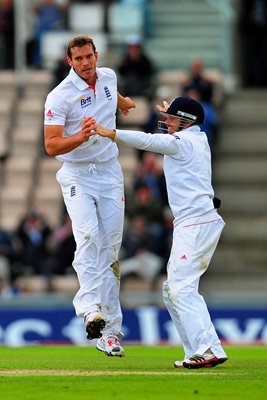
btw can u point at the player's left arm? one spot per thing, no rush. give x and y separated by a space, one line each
125 104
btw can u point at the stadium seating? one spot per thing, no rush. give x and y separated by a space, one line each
67 284
138 116
34 284
47 195
184 30
23 120
52 42
124 19
86 17
83 19
240 181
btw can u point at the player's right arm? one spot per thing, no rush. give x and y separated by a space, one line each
55 140
56 143
158 143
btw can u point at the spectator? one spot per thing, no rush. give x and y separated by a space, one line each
136 70
144 204
199 82
210 125
32 237
6 262
151 124
150 173
166 238
163 92
140 250
49 16
7 33
63 247
6 246
253 29
5 287
61 70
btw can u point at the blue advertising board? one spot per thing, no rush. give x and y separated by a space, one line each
144 325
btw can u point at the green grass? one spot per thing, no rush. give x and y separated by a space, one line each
77 373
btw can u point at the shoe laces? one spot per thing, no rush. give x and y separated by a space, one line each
197 358
200 358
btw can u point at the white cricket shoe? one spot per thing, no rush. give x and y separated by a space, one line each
110 345
94 323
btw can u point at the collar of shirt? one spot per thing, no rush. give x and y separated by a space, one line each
79 82
194 128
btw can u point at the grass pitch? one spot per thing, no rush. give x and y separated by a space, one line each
146 373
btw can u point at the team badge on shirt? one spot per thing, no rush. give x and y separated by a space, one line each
107 92
72 191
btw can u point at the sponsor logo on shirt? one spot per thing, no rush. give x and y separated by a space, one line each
49 114
108 94
85 101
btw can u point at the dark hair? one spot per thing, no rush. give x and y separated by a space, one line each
79 41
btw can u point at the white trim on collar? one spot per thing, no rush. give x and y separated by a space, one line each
77 81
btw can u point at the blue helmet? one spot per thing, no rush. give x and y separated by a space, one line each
187 110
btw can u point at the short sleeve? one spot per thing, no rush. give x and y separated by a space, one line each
56 110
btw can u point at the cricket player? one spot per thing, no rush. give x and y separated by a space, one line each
197 224
92 186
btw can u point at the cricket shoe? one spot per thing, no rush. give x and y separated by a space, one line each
110 345
203 361
178 364
94 323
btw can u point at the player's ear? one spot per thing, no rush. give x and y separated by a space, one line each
69 61
96 55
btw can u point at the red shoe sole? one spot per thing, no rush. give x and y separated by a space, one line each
212 362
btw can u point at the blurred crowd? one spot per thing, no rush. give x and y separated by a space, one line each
42 16
53 15
34 247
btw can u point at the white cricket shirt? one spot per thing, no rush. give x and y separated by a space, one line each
187 167
72 100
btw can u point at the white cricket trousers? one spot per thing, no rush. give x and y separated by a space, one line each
194 242
94 197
